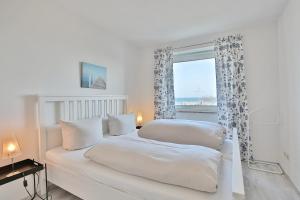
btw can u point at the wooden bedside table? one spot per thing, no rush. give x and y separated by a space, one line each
22 169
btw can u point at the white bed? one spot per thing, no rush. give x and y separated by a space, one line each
89 180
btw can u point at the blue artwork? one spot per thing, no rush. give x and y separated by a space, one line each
93 76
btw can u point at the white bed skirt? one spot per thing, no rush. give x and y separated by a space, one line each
89 180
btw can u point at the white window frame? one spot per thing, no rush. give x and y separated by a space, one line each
193 55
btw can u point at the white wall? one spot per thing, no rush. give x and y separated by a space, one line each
40 49
41 46
260 43
289 70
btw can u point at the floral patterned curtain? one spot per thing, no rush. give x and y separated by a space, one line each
231 89
164 100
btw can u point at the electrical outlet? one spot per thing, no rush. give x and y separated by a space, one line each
286 155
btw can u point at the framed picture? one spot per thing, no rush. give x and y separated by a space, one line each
93 76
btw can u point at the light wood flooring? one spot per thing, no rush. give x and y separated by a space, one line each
258 186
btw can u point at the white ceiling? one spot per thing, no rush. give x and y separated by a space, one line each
160 21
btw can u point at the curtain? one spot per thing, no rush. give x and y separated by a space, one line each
164 100
231 89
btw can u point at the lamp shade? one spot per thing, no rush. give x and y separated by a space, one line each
139 118
10 147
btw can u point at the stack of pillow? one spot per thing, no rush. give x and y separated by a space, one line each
85 133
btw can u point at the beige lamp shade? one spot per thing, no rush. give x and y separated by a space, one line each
139 118
10 147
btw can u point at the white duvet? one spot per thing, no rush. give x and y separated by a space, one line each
180 131
190 166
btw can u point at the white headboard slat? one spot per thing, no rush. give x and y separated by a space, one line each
51 109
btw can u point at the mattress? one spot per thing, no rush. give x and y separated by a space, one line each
138 187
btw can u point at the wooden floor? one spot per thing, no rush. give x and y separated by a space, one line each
258 186
265 186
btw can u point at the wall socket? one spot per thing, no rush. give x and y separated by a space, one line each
286 155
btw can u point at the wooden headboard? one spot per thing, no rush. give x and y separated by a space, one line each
51 109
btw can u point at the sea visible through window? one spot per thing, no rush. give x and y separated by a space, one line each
195 86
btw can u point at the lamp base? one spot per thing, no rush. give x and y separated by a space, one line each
12 173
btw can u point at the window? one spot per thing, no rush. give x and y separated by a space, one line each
195 81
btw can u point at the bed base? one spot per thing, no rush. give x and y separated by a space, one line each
84 187
51 109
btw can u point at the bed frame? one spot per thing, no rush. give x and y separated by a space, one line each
51 109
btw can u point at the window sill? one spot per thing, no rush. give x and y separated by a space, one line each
196 111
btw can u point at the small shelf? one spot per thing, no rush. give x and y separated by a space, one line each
24 167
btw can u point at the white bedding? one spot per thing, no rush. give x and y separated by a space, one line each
181 131
190 166
141 188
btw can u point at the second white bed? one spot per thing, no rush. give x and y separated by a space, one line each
75 163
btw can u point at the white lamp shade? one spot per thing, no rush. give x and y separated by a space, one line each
10 147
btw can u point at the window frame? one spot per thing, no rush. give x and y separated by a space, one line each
195 54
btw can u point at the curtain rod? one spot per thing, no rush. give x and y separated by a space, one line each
193 45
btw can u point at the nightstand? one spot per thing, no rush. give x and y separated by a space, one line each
22 169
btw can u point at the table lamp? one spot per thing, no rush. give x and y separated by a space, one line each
11 149
139 120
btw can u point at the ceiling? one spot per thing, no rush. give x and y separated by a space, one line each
160 21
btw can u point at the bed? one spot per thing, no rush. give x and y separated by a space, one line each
86 179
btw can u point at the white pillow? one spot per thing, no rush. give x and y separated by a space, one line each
82 133
184 132
121 124
54 136
105 128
